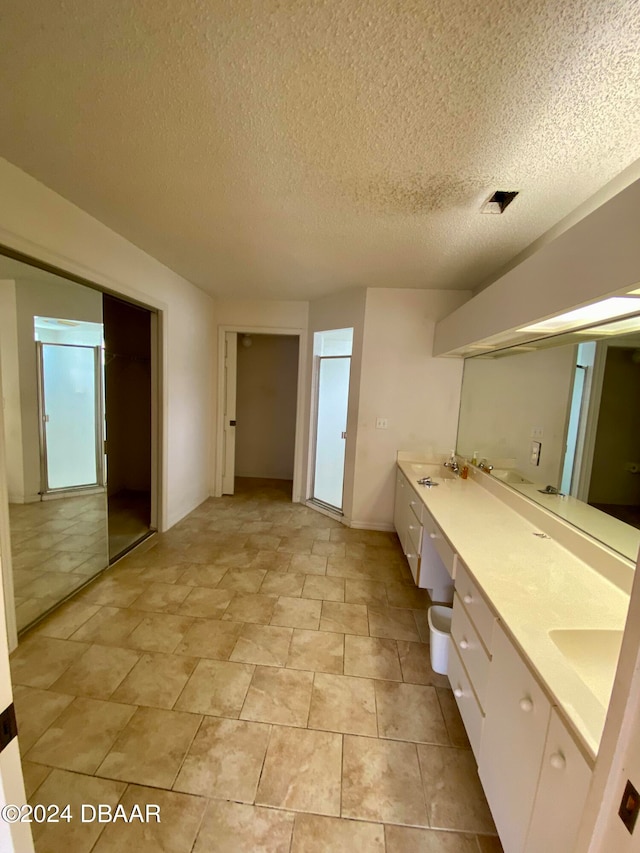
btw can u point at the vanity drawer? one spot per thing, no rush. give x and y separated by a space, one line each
476 607
468 705
445 551
414 533
413 558
471 651
416 505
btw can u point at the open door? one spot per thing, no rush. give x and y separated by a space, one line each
229 427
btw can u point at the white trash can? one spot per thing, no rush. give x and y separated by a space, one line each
439 618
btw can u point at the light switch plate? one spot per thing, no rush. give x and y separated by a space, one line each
382 423
534 457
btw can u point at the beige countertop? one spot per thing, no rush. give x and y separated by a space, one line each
536 586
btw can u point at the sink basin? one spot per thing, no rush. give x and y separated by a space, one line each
593 655
507 475
437 472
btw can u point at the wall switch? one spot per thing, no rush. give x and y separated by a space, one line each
537 432
382 423
629 807
534 457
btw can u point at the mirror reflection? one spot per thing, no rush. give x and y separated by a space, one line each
561 425
51 344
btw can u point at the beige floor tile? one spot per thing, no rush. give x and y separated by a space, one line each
282 583
225 760
217 688
160 632
98 672
241 828
34 775
416 665
208 638
489 844
340 703
251 607
245 581
323 588
150 749
35 711
350 567
263 542
296 546
206 602
410 712
422 622
164 574
315 834
453 792
264 645
302 771
308 564
408 596
113 590
273 561
74 789
82 735
297 613
109 626
279 696
162 597
381 782
371 657
156 680
180 817
344 618
403 839
365 592
328 549
66 619
39 661
203 575
316 651
452 719
393 623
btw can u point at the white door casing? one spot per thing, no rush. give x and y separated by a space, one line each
229 424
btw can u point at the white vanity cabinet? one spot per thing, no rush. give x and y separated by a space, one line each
513 742
564 782
430 557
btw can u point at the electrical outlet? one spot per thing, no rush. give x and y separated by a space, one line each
534 457
382 423
629 807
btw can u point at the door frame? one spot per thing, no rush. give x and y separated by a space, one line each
298 462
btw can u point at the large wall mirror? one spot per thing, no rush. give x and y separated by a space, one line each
76 370
559 420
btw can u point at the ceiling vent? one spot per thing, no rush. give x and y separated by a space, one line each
499 201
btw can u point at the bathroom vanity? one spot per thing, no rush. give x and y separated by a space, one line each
538 616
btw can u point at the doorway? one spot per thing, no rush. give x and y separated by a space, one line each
128 410
261 401
332 371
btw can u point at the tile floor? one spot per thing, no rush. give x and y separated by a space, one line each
261 673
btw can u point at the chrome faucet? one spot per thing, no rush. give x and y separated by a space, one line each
484 466
453 464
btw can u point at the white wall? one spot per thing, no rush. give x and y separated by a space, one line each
40 223
400 380
266 394
9 365
599 255
504 398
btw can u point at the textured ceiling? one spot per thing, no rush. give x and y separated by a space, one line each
290 148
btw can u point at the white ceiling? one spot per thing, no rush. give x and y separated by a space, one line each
290 148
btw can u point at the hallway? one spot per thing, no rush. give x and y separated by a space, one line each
261 673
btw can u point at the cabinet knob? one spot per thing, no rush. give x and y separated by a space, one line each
458 692
558 761
412 503
467 598
433 536
410 556
464 644
526 705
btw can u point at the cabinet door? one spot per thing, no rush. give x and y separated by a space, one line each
562 791
513 739
400 507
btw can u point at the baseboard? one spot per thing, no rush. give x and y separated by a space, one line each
372 525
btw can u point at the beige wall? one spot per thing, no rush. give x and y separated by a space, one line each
400 380
266 406
40 223
503 399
